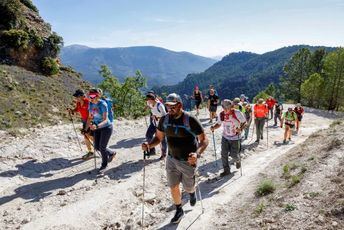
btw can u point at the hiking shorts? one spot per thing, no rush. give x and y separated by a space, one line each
290 125
180 172
213 108
299 117
198 103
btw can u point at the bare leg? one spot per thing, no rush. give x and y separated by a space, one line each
176 196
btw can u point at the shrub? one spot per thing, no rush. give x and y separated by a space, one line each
36 40
50 66
9 11
265 187
15 38
286 171
294 180
260 208
55 42
289 207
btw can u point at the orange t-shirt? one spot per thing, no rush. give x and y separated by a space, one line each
260 110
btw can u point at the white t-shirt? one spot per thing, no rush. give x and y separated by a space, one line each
158 110
230 124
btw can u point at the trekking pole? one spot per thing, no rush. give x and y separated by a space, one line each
200 195
145 153
239 147
76 134
214 149
267 133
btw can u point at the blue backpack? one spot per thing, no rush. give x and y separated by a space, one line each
109 106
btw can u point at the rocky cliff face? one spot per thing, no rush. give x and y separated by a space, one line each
25 39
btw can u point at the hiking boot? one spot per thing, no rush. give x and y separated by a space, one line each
225 173
257 141
178 216
238 164
162 157
87 156
111 156
284 141
261 137
101 170
193 199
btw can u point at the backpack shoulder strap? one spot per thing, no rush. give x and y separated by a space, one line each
222 116
235 117
157 106
166 122
186 123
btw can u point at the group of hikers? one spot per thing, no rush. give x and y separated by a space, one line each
181 135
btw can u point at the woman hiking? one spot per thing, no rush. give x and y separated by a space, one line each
197 96
288 118
100 124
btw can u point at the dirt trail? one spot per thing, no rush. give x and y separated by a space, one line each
45 185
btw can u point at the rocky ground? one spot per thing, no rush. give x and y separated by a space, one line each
45 185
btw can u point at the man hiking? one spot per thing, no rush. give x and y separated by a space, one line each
288 118
197 96
213 101
157 111
186 141
99 122
81 107
299 112
278 113
233 122
271 103
261 113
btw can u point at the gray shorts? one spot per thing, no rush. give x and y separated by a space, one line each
180 172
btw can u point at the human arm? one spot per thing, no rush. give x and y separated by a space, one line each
202 145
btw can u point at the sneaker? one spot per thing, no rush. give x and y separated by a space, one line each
225 173
87 156
193 199
111 156
101 170
178 216
238 164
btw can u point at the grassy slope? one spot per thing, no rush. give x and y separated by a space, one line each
28 99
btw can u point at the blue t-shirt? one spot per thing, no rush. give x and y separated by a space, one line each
96 111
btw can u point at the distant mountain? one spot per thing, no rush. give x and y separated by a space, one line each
238 73
160 66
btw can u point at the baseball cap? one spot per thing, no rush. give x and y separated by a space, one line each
173 99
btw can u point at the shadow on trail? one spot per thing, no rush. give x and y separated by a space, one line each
35 191
128 143
34 169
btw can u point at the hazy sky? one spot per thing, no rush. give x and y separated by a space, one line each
204 27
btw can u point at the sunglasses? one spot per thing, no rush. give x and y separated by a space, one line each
92 96
172 106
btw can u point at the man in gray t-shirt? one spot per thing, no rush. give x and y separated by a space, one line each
186 140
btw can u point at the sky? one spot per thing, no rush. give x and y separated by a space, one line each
204 27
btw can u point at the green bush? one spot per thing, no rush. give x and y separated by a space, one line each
260 208
36 40
294 180
286 171
15 38
56 42
50 66
289 207
9 11
30 5
265 187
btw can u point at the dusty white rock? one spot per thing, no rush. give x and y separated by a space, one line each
334 224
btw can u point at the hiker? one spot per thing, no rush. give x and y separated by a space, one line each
81 107
238 105
233 122
213 101
197 96
99 122
248 116
157 111
289 118
186 142
278 113
271 103
261 113
299 112
243 99
211 87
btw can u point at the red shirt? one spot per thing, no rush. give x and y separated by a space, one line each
83 109
271 103
299 110
260 110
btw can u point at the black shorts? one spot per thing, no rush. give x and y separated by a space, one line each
290 125
198 103
299 117
213 108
